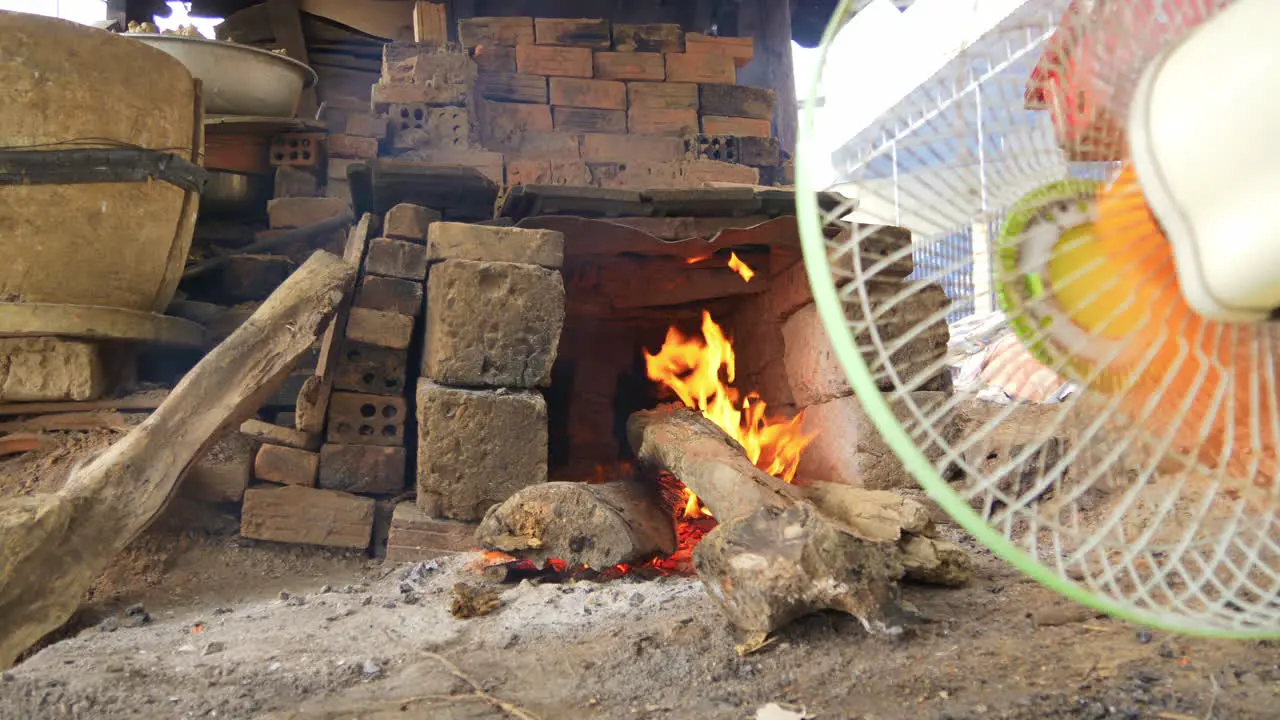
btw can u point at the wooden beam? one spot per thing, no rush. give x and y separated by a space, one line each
769 22
430 23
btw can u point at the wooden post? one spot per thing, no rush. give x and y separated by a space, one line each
769 22
430 23
286 25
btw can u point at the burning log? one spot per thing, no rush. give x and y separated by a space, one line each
55 545
710 463
599 526
782 551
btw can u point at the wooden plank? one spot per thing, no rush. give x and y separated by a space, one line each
652 38
95 322
573 32
430 23
286 24
386 19
313 400
769 23
144 401
485 31
529 200
513 87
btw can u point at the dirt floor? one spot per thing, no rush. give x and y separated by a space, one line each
194 622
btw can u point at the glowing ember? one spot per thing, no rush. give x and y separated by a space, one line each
743 269
696 260
692 368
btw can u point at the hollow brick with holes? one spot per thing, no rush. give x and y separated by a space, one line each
364 419
371 370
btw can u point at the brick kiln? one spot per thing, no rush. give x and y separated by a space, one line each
542 206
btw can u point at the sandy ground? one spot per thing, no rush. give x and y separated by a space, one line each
240 629
195 622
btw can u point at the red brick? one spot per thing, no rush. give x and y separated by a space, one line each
662 122
392 295
416 536
583 120
570 172
286 465
495 59
278 435
303 515
528 172
503 126
222 473
702 68
384 329
303 211
363 419
662 96
365 125
397 258
744 127
650 38
739 101
739 50
580 93
702 171
482 32
351 146
590 33
513 87
630 66
554 61
624 148
363 469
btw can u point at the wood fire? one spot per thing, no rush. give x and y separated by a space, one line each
701 372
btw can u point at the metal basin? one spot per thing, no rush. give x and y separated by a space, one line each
238 79
236 194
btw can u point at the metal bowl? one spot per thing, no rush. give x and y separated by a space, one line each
238 79
229 194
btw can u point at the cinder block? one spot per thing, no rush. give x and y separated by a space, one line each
362 419
482 243
476 448
363 469
492 324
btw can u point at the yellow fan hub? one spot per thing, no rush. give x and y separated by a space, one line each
1089 287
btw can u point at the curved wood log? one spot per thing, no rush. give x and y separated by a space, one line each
52 547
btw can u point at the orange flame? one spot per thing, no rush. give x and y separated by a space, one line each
743 269
696 259
692 368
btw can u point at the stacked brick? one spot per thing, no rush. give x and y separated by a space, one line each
355 139
323 477
579 102
494 313
584 102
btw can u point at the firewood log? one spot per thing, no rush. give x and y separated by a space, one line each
53 546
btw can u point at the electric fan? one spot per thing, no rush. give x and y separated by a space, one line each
1107 170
